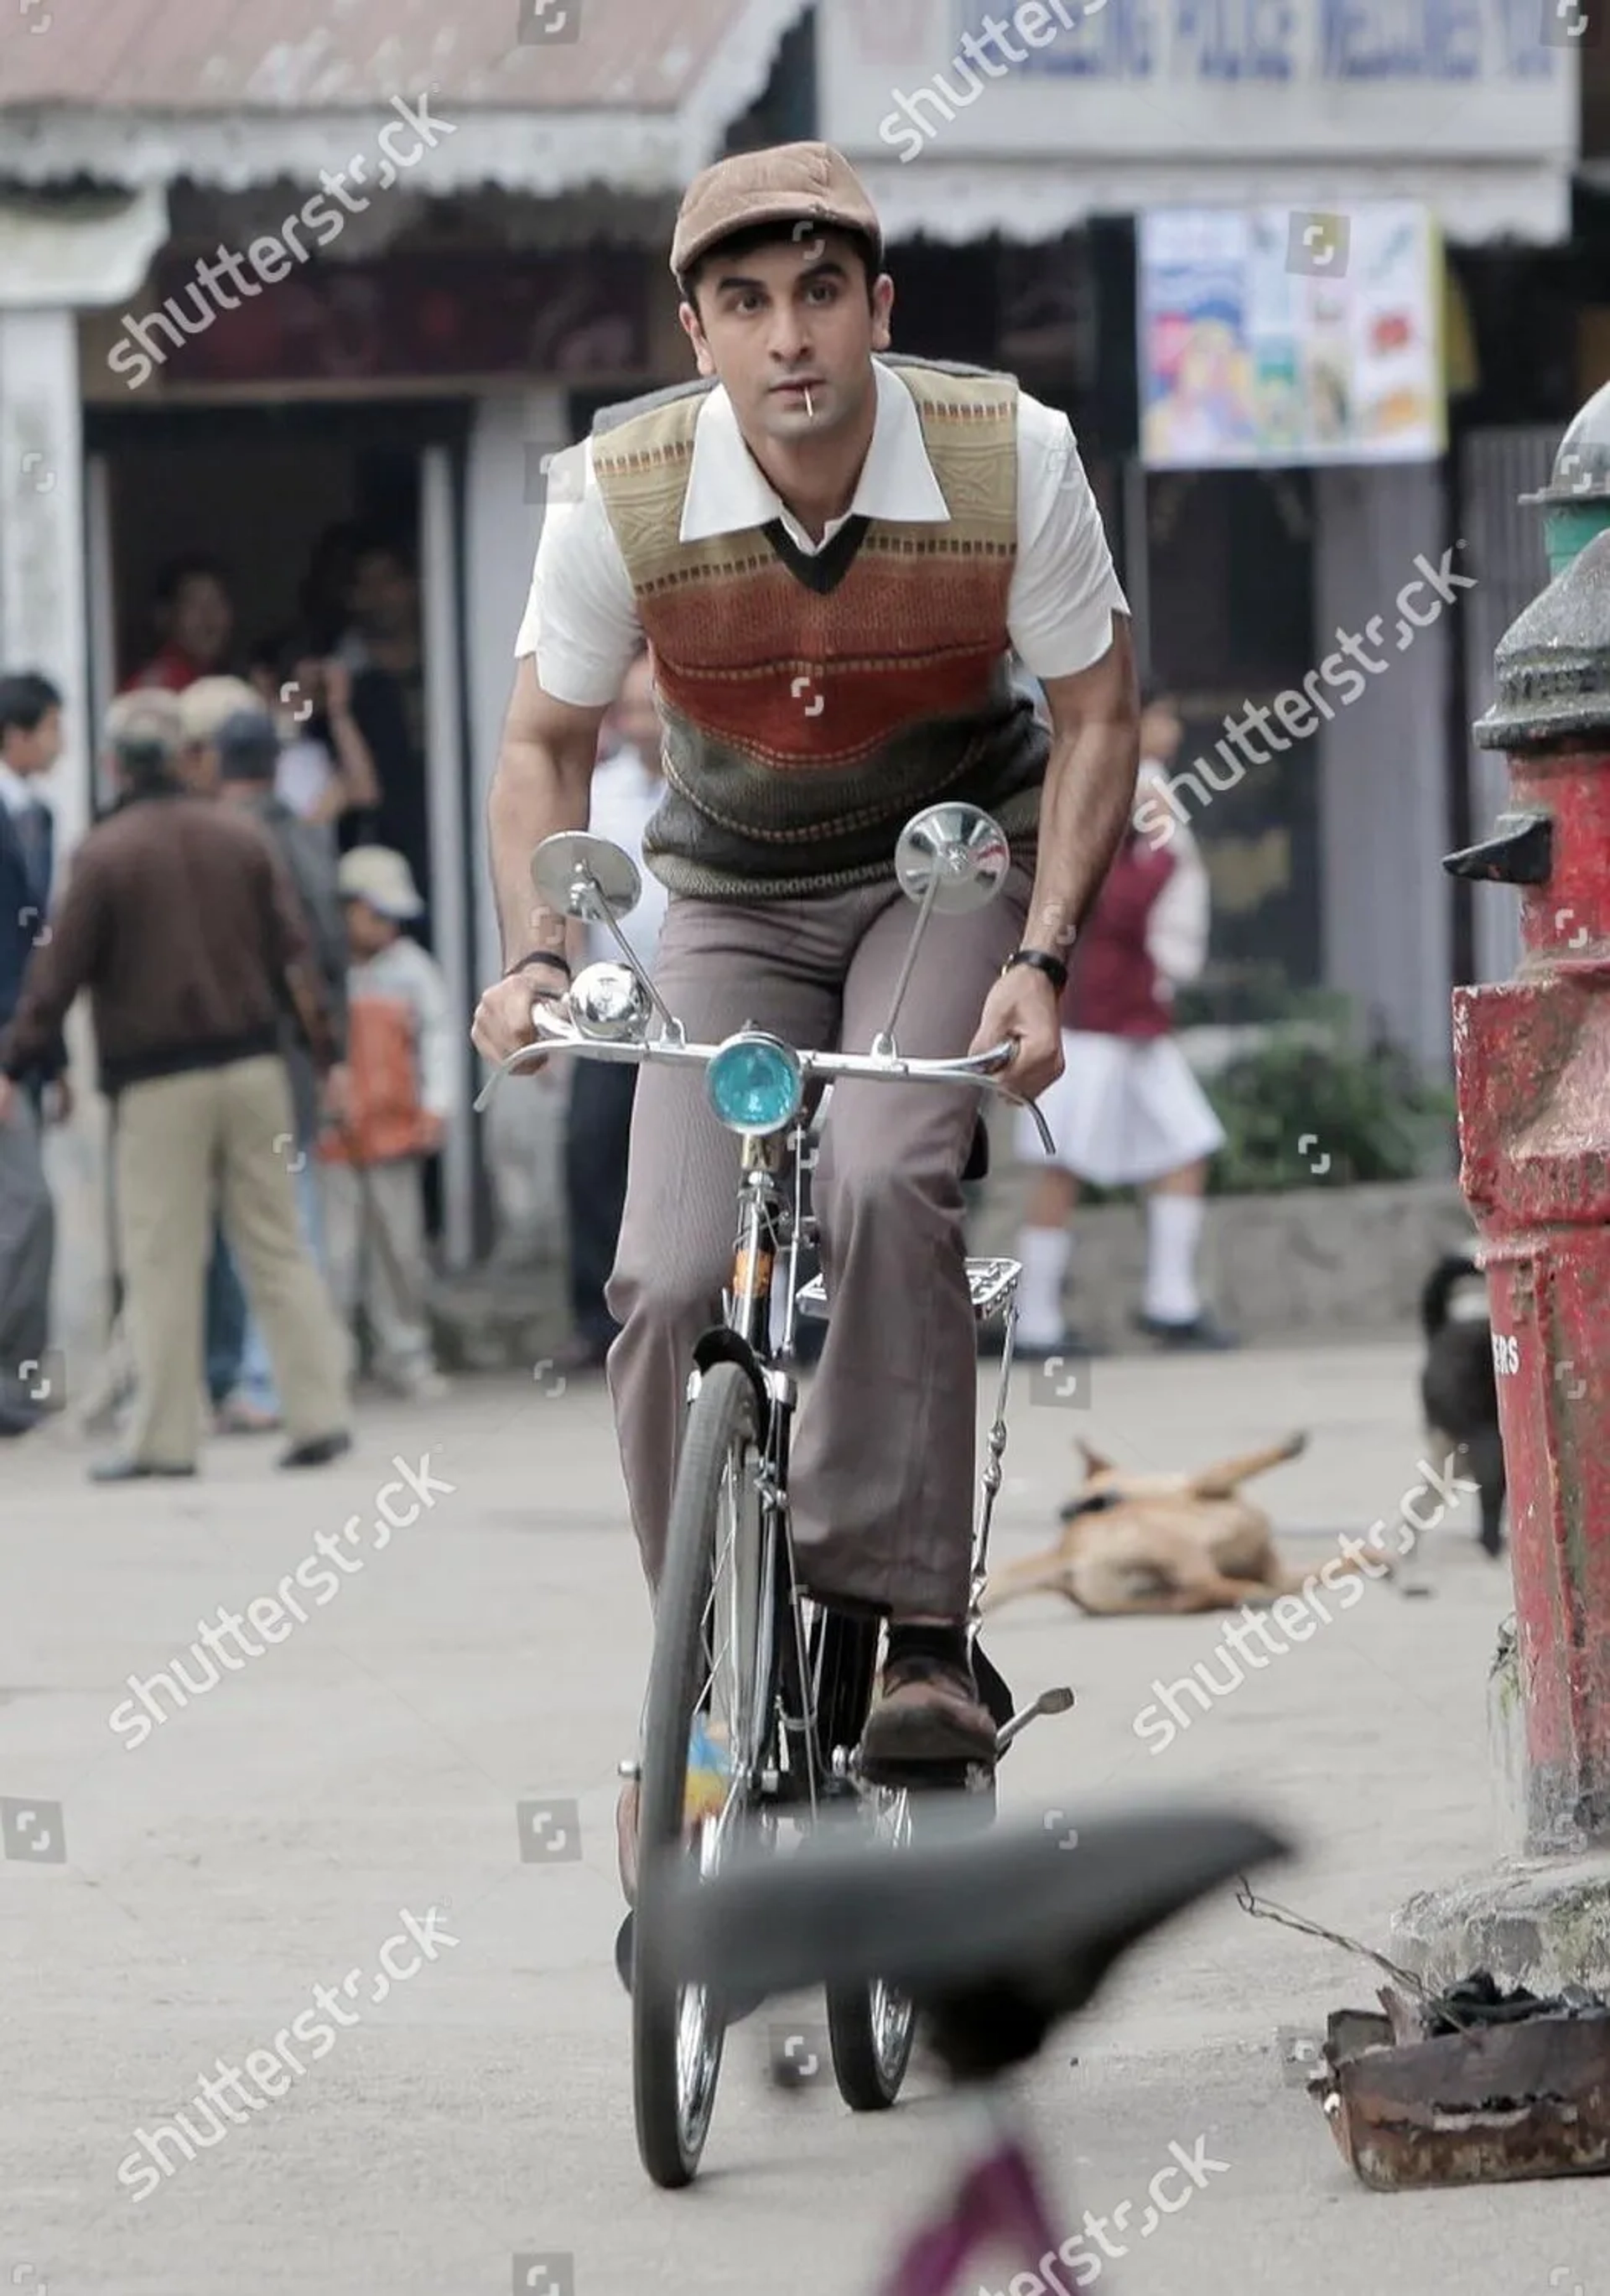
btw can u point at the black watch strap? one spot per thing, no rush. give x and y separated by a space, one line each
540 956
1041 961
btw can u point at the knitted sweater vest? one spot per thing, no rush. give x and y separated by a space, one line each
811 705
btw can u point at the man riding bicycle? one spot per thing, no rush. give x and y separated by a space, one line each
832 556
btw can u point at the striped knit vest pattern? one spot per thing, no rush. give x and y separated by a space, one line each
810 708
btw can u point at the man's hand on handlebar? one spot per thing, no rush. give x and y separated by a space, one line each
503 1024
1024 1005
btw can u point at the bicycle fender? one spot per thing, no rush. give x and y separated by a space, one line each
720 1345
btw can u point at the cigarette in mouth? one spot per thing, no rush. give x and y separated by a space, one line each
810 413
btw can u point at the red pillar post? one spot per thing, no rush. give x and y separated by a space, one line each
1532 1061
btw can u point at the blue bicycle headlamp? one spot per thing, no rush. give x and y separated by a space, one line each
755 1084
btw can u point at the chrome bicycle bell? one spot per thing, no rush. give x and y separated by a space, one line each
608 1001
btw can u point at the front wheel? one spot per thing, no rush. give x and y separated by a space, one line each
702 1726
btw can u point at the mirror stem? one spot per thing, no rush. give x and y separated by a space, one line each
884 1044
597 911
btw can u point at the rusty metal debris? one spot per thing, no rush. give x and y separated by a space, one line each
1475 2085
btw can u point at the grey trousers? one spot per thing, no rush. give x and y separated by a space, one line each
385 1274
882 1480
27 1243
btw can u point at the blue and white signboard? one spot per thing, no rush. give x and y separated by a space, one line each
1114 106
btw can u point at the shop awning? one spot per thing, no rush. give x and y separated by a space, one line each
538 96
958 201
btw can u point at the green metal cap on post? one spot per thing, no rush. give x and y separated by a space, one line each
1576 501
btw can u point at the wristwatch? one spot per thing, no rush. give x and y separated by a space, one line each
540 956
1042 960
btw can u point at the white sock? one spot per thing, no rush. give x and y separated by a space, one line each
1045 1253
1173 1232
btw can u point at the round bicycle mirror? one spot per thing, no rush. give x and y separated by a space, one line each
610 1001
573 870
957 850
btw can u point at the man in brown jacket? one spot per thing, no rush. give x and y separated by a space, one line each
180 920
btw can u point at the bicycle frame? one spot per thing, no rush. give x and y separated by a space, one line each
772 1232
766 1228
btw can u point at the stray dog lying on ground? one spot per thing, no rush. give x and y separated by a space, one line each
1458 1385
1136 1543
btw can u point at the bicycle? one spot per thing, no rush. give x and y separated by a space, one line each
758 1694
996 1944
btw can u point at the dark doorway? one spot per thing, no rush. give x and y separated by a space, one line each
1231 596
274 494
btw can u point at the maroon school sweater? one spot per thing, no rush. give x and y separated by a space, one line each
1114 987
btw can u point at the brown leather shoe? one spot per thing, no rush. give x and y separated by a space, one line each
925 1711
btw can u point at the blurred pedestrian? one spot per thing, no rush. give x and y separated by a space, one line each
205 706
402 1073
195 619
326 772
323 593
383 651
626 792
30 742
240 1376
181 921
1127 1112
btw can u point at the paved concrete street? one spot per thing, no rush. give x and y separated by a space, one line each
174 1894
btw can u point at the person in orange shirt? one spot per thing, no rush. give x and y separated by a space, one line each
401 1068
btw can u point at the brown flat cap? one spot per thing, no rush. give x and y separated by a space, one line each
787 182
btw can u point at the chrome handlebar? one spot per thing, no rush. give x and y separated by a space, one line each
562 1036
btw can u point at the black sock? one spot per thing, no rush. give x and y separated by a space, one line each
948 1645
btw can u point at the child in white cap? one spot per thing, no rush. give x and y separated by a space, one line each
400 1061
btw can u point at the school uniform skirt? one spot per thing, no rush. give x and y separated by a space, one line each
1124 1111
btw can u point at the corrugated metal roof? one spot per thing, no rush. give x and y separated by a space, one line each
540 97
211 56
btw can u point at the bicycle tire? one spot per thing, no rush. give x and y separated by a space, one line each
871 2031
671 2135
870 2028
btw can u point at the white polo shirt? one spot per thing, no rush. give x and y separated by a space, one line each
581 619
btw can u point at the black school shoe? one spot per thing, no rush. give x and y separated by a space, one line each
318 1452
1202 1335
